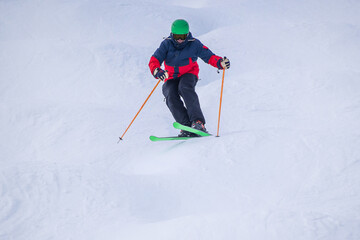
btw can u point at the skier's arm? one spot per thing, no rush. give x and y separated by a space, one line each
209 57
158 57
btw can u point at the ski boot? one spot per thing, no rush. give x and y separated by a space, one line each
199 125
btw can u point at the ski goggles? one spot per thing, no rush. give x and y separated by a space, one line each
180 36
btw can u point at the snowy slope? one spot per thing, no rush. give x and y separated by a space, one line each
287 165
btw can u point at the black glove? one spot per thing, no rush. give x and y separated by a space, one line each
223 63
160 74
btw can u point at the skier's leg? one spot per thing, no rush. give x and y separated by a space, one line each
187 91
174 103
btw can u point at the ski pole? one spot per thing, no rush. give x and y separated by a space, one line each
221 93
121 138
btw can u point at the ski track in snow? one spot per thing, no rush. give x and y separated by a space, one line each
73 74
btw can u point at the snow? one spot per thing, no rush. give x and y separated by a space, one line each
73 74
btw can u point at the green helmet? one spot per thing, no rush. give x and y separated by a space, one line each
180 26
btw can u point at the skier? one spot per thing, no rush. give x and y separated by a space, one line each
179 52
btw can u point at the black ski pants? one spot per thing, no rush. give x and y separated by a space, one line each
183 87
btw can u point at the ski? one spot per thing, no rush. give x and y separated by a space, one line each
189 129
156 139
181 127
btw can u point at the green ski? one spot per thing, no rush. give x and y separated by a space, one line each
181 127
156 139
189 129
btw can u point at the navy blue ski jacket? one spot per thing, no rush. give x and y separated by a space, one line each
180 59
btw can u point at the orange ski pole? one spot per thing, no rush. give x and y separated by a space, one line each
121 138
221 93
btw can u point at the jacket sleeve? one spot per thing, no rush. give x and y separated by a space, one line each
207 55
158 57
